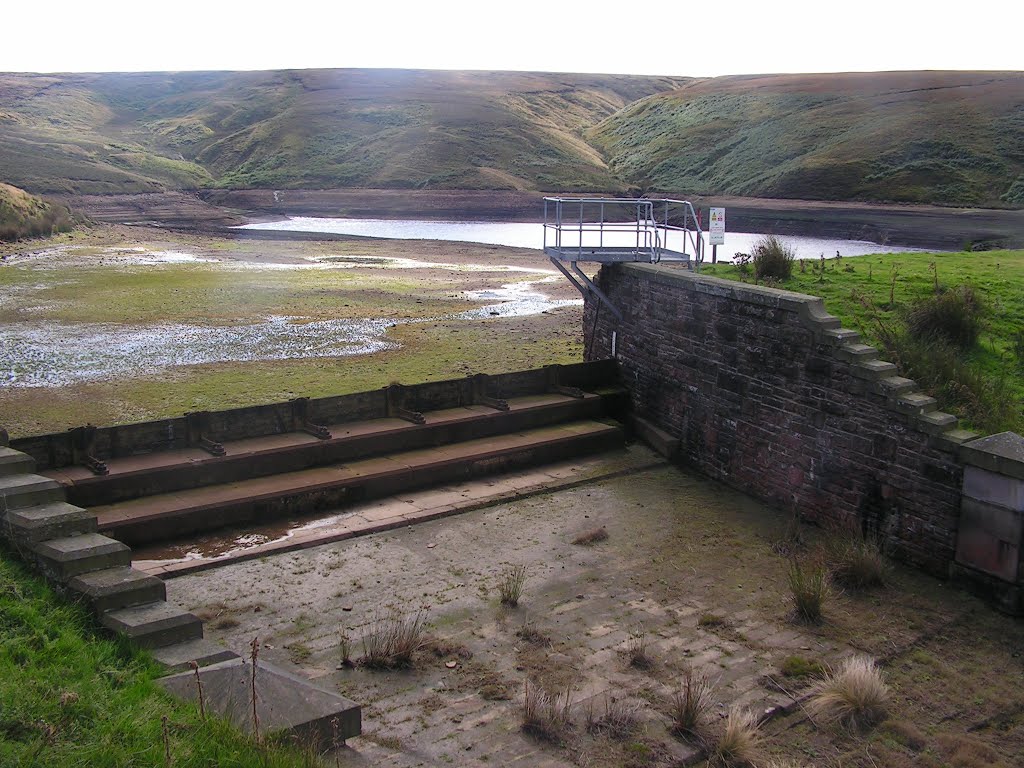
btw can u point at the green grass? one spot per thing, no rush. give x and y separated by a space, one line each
22 215
858 291
70 696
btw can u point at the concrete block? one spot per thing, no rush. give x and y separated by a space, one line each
114 588
989 539
658 439
873 370
27 490
178 657
14 462
284 701
1002 453
154 625
916 402
69 556
994 488
49 521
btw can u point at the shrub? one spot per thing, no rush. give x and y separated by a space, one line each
690 703
740 739
808 585
510 585
854 695
772 259
954 315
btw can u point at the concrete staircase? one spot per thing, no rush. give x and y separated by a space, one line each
172 494
61 539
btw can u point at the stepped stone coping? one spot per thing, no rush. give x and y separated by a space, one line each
49 521
27 490
407 509
154 624
317 717
150 508
268 444
69 556
180 656
14 462
119 587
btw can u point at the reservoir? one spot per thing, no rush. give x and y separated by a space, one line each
522 235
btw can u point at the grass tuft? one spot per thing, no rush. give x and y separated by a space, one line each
619 721
546 715
690 703
772 259
808 586
510 585
636 649
857 563
854 695
591 537
953 315
739 742
393 639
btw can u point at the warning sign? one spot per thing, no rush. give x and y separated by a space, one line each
716 229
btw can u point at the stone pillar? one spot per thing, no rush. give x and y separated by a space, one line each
989 539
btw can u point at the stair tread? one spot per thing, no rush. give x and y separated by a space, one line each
41 513
340 432
26 481
156 614
176 657
303 480
112 579
82 545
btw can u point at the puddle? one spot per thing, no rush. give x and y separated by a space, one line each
516 300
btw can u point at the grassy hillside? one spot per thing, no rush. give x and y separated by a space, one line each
22 215
942 137
982 382
104 133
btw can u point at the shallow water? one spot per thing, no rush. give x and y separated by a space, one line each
532 235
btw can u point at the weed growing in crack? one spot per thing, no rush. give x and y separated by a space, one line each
393 639
636 649
808 586
510 585
619 720
546 715
690 703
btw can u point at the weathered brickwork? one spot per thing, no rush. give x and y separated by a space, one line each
767 393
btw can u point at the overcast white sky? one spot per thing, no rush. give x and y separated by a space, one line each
667 37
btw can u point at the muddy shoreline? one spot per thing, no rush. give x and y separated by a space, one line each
214 212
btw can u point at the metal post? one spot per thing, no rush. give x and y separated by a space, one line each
714 254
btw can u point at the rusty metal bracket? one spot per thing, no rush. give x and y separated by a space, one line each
480 397
396 406
95 466
317 430
212 446
554 375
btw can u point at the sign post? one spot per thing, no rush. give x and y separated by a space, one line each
716 232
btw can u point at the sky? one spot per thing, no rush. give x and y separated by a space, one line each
664 37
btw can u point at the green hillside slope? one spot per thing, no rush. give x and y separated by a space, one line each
22 215
942 137
310 128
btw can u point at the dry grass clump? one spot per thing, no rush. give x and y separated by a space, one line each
636 649
393 639
591 537
854 695
808 585
619 721
857 563
690 703
546 715
739 742
510 585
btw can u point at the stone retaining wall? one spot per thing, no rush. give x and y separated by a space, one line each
766 392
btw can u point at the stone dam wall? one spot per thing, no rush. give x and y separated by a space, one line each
762 389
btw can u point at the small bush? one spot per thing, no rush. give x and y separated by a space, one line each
690 704
808 585
739 742
772 259
857 563
954 315
546 715
510 585
854 695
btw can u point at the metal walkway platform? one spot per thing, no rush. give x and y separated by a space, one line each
615 230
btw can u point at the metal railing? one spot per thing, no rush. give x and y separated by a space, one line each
622 229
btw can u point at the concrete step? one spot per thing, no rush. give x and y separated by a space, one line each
916 402
856 352
154 625
15 463
171 471
67 557
179 656
27 490
873 369
58 519
120 587
168 516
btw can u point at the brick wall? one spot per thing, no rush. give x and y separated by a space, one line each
767 393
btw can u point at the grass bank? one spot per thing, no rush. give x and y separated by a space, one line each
984 384
70 696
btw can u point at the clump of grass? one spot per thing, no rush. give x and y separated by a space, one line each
591 537
546 715
772 259
393 639
532 635
739 742
510 585
808 586
619 721
800 668
954 315
857 563
854 695
636 649
690 703
710 620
